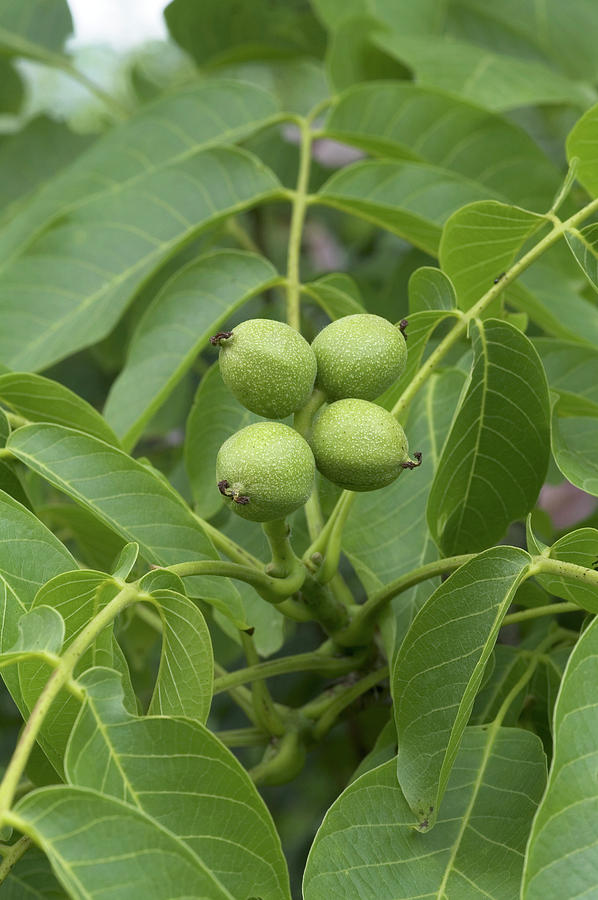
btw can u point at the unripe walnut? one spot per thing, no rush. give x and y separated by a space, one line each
359 356
360 446
265 471
269 367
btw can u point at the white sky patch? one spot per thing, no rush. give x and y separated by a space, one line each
121 24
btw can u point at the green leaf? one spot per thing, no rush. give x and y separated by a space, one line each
495 81
41 631
430 289
31 156
419 331
499 437
72 288
574 442
194 787
584 246
352 57
410 199
128 497
126 560
571 371
479 242
582 144
581 548
214 416
40 399
435 681
11 89
238 31
133 856
180 126
562 855
76 597
554 305
32 879
97 545
386 534
34 28
193 305
366 846
186 673
29 556
407 121
337 294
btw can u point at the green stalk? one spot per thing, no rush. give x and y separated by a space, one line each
12 855
341 702
266 714
360 629
552 609
297 222
272 589
243 737
300 662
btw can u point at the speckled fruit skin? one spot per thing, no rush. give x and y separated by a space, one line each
269 367
359 445
359 356
271 465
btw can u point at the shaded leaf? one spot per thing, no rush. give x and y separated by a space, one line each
366 846
499 438
32 879
410 199
200 792
435 683
193 305
238 31
562 853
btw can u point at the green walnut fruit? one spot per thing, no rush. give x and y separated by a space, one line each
269 367
265 471
360 446
359 356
